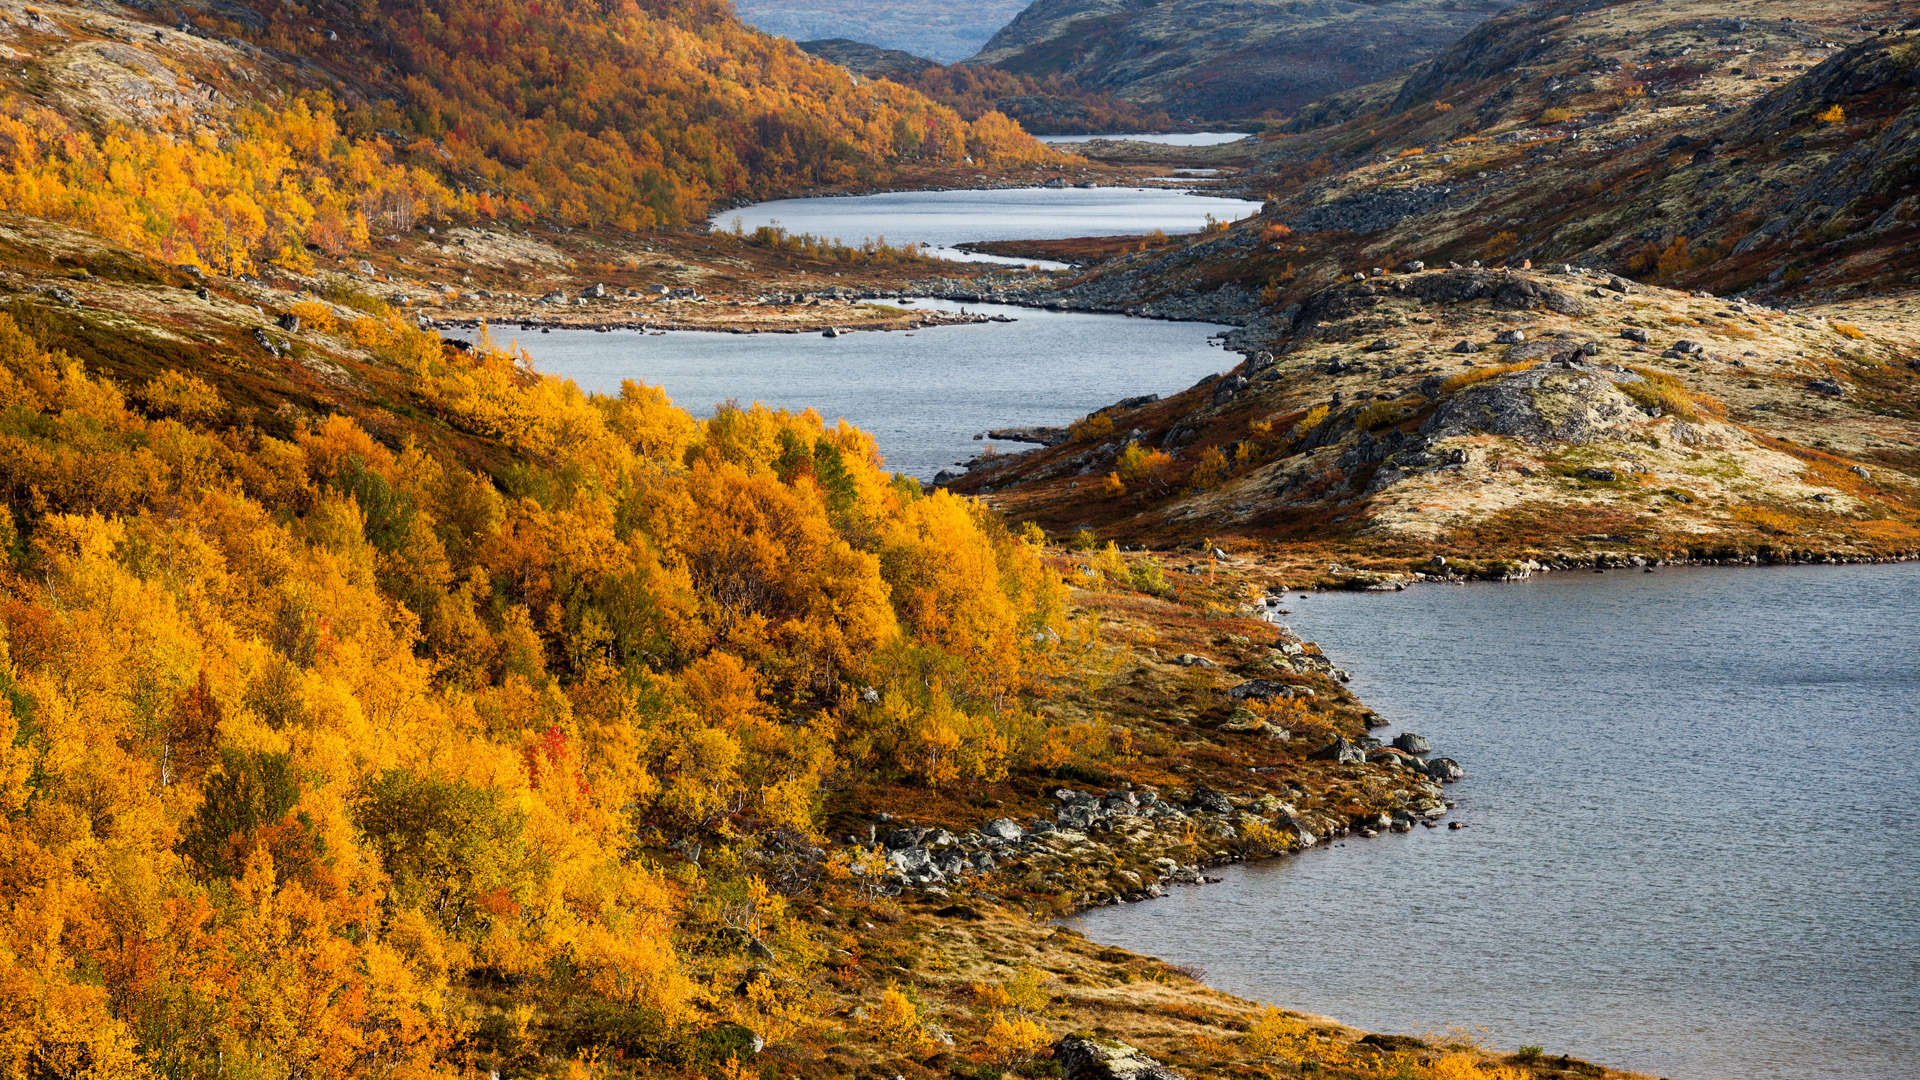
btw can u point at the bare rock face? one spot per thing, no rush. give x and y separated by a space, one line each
1575 403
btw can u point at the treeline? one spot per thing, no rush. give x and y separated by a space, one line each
307 740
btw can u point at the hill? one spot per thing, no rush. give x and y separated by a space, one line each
1226 61
1044 106
1653 157
945 32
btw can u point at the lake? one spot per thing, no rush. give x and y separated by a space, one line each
1685 793
924 395
942 219
1178 138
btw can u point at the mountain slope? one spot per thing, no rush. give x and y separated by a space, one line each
1053 105
945 32
1222 60
255 135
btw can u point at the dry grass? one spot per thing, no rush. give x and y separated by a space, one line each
1661 390
1455 383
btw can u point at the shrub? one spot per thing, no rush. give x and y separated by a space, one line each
313 315
1556 116
182 397
246 804
1094 426
1848 330
1146 576
1835 115
452 849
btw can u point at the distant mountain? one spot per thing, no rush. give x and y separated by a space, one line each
1228 59
1054 105
945 32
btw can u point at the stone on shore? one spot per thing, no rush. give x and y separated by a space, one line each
1090 1057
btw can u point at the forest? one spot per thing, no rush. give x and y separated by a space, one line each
305 739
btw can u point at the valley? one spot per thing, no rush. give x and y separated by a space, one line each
381 699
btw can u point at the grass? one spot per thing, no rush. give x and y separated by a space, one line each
1455 383
1659 390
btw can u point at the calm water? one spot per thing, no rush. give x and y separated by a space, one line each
1688 793
1188 138
942 219
922 397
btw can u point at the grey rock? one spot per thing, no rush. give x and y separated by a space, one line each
1572 403
1209 800
1341 752
1465 347
1829 387
1509 337
1598 473
1003 829
1090 1057
1411 743
1191 660
1267 689
1445 770
1634 334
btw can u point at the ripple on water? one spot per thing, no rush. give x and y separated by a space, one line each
1686 793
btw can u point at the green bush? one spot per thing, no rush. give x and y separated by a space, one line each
446 844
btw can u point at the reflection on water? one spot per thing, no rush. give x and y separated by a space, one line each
1686 797
943 219
923 396
1187 138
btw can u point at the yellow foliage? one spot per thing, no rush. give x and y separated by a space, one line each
1015 1040
896 1018
1848 330
1460 381
1834 115
1556 116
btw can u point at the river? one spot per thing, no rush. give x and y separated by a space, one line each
1684 854
922 395
943 219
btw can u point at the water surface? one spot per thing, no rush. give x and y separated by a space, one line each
1177 138
1689 796
924 395
942 219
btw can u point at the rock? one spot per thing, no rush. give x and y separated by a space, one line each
833 331
1382 345
596 291
1411 743
1074 798
1464 346
1456 824
1597 473
1634 334
365 268
1190 660
1242 722
1445 770
1341 752
946 476
1003 829
1267 689
1861 472
1090 1057
1210 800
1829 387
1227 387
1687 348
1509 337
1568 404
289 322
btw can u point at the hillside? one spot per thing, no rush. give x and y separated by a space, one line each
945 32
1226 61
256 135
1661 154
1043 106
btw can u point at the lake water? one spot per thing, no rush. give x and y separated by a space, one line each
923 397
942 219
1178 138
1686 798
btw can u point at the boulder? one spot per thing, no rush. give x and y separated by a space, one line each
1829 387
1445 770
1634 334
1464 346
1242 722
1598 473
1003 829
1266 690
1341 752
1569 403
1090 1057
1191 660
1210 800
1411 743
1509 337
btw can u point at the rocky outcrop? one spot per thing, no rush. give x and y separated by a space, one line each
1573 403
870 60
